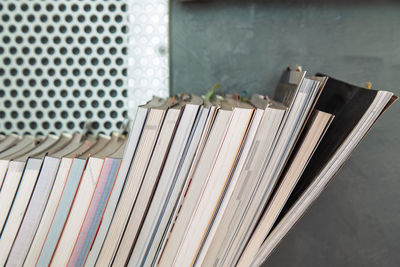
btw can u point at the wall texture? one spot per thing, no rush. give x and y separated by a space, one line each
244 45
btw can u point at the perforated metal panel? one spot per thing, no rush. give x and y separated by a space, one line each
149 54
63 63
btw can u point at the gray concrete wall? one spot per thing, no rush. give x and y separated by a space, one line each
244 45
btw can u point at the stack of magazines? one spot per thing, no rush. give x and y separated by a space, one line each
204 181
